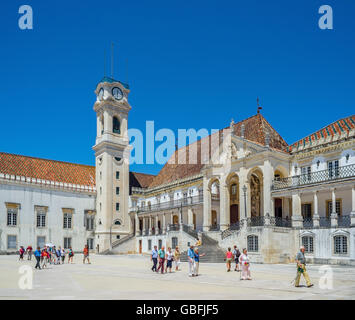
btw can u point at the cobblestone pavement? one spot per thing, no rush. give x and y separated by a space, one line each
130 277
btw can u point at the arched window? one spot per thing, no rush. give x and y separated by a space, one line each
307 242
116 125
340 245
253 243
117 222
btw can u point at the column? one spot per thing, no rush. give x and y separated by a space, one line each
164 223
137 225
244 207
334 216
150 225
190 217
297 219
315 213
352 214
224 212
144 226
206 205
267 181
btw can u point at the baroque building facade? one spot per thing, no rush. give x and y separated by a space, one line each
243 185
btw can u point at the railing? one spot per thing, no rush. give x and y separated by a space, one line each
307 223
330 174
256 221
280 222
324 222
215 227
146 232
344 221
171 204
173 227
215 197
189 230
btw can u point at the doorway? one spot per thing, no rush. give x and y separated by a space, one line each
214 218
140 246
278 207
234 213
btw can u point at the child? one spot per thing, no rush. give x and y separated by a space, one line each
70 255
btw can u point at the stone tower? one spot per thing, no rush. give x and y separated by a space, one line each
112 162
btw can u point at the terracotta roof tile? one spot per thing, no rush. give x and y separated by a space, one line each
51 170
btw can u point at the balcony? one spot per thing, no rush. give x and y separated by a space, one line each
188 201
329 175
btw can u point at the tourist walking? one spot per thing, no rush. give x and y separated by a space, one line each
58 254
169 260
197 256
44 258
38 254
154 258
191 260
86 254
21 252
228 258
62 254
245 263
177 255
301 269
161 255
236 255
29 253
70 255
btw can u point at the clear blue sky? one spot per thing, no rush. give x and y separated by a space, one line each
190 64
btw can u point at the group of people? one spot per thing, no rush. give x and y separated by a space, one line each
50 255
242 262
165 259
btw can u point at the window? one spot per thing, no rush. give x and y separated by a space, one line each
11 242
340 245
41 218
89 221
117 190
174 242
149 245
117 206
306 174
117 175
307 242
12 216
41 242
234 189
330 207
90 243
116 125
67 243
333 168
160 244
253 243
117 222
67 221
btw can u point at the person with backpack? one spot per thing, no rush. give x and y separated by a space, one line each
70 255
29 253
236 255
38 254
161 255
228 258
86 254
21 252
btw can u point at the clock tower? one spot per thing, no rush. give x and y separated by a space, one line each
112 162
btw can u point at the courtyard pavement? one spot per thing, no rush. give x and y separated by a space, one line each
130 277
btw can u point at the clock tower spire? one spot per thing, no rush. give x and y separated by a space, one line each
112 162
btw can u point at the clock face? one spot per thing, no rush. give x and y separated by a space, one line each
101 94
117 93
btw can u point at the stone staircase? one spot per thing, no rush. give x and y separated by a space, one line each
117 243
210 247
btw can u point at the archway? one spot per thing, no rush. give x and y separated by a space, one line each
233 190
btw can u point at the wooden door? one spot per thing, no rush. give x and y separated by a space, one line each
234 213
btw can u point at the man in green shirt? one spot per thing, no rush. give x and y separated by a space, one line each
161 255
301 268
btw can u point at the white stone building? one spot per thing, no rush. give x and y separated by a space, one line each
243 185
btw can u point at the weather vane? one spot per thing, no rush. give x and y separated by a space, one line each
258 105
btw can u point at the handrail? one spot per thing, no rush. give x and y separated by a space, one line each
329 174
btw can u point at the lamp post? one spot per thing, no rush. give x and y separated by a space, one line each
245 200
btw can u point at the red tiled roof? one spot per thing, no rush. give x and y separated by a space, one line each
336 128
51 170
140 180
255 129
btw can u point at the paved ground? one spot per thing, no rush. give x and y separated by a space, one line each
130 277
